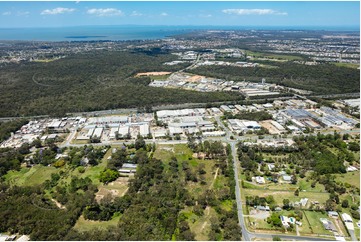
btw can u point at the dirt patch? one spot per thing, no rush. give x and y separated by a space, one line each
154 73
58 204
254 213
117 188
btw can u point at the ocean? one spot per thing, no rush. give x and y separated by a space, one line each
129 32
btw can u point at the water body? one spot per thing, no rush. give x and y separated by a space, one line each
88 33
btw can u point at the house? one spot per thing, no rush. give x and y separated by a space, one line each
285 221
3 237
351 168
304 201
271 167
260 180
332 214
23 238
84 161
263 208
346 218
287 178
339 238
328 225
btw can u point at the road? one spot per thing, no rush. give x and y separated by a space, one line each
247 235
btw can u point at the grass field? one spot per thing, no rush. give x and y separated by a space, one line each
349 65
200 225
352 178
28 177
87 225
315 223
273 56
280 195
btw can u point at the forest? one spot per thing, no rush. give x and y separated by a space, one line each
320 79
95 80
152 208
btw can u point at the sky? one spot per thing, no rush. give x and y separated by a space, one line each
239 13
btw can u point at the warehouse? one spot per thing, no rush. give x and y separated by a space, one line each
144 129
98 132
175 130
225 108
123 130
108 120
113 131
90 133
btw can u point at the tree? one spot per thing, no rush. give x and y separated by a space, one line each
286 204
139 143
294 179
276 238
108 175
345 203
297 192
275 220
36 143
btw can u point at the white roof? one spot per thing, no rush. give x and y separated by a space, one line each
123 130
23 238
144 129
98 132
346 217
175 130
90 132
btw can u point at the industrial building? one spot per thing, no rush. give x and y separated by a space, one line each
108 120
97 132
243 125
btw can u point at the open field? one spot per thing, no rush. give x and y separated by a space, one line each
352 178
117 188
280 195
349 65
272 56
315 223
28 177
154 73
302 184
200 225
88 225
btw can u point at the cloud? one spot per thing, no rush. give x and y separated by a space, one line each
55 11
136 13
105 12
163 14
6 13
254 11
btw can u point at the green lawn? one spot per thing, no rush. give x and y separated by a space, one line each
349 65
29 177
227 205
315 223
272 56
280 195
352 178
87 225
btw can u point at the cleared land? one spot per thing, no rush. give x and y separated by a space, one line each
88 225
29 177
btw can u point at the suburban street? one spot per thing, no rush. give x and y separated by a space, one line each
247 235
